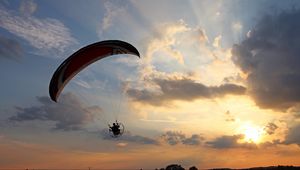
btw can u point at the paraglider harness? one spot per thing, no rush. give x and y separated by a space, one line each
117 129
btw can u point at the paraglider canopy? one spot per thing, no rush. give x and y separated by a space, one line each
84 57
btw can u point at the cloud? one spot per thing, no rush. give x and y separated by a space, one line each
184 88
166 48
270 57
10 48
122 144
48 35
89 84
270 128
111 12
170 137
174 138
28 7
69 114
217 40
226 142
235 78
163 43
293 135
129 137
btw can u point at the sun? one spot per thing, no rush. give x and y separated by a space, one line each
252 134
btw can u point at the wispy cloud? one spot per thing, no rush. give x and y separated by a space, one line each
90 83
69 114
112 12
50 36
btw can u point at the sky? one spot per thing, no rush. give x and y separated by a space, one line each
217 84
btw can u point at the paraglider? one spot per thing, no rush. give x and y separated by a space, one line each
80 60
117 129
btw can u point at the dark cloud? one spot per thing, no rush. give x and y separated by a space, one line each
10 48
128 137
225 142
293 135
181 89
271 57
174 138
69 114
270 128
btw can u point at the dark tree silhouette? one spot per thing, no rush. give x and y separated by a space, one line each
193 168
174 167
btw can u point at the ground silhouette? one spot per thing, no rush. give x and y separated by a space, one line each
279 167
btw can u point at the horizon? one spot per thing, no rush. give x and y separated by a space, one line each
216 85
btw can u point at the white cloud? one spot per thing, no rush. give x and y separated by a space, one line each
48 35
111 13
191 48
163 43
217 40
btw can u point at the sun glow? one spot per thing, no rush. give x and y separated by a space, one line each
252 134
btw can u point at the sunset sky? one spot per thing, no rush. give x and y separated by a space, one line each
217 84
